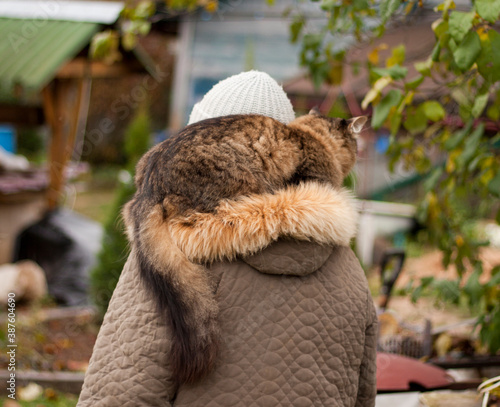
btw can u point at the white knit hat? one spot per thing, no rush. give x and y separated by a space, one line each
250 92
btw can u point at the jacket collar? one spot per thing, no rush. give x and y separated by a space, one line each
310 211
290 257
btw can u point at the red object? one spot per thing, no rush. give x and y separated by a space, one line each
400 373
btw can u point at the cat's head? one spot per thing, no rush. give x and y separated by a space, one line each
339 134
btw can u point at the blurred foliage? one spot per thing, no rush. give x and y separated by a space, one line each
30 143
458 124
114 251
134 22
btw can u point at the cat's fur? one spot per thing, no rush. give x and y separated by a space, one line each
192 173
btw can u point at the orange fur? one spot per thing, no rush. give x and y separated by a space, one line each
309 211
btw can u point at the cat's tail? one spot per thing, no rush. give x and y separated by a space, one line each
182 293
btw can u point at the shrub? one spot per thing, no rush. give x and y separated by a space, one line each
114 251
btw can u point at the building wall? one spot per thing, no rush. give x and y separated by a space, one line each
241 35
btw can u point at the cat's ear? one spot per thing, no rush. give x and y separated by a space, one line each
315 111
356 125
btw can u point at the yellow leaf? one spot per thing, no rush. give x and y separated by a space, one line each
406 101
447 5
436 23
450 163
397 57
380 84
487 176
335 74
212 6
373 56
483 33
432 210
409 7
487 162
459 240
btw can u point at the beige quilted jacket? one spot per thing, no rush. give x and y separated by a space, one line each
298 329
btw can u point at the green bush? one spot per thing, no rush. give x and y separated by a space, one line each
115 247
30 144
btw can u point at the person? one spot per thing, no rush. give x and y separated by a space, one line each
298 324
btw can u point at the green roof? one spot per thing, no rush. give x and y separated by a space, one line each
32 51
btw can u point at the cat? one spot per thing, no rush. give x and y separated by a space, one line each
206 163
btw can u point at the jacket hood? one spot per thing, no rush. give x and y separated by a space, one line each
310 211
290 257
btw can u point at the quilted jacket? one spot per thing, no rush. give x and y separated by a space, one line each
298 329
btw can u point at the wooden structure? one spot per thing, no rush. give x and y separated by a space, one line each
65 104
46 74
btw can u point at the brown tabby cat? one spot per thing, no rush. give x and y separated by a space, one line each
191 174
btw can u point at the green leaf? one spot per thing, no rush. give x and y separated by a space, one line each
490 330
480 103
104 46
139 27
494 185
416 294
395 122
448 290
129 40
425 282
440 28
488 9
361 4
436 52
460 24
473 288
397 56
312 41
145 9
468 50
433 110
457 138
471 145
459 95
488 62
296 28
424 67
431 182
395 72
416 120
493 112
495 277
387 9
382 110
329 5
414 83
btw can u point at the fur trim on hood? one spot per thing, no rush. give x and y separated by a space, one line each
309 211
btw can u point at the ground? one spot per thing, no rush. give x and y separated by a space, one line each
49 342
429 263
48 398
52 342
